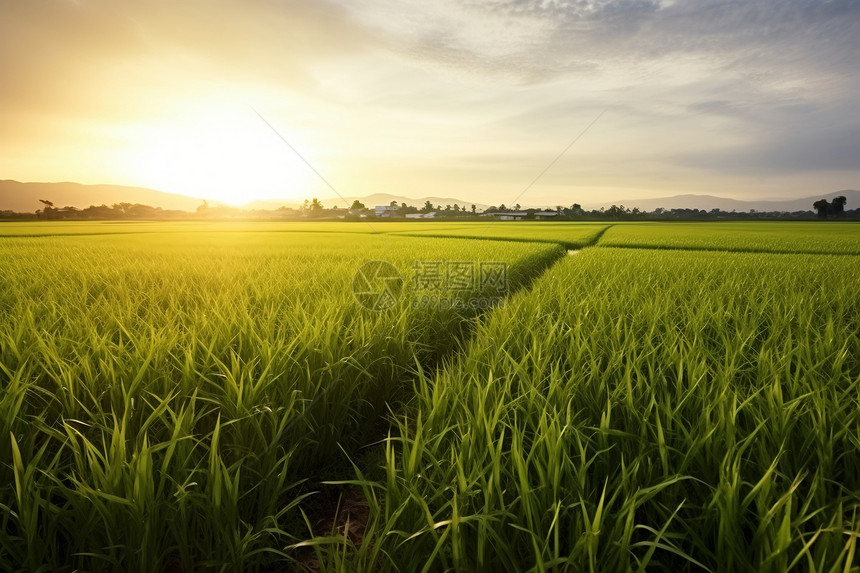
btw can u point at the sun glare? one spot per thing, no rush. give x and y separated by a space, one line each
221 153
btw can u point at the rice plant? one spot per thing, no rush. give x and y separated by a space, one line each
48 229
816 237
572 235
169 401
194 396
636 409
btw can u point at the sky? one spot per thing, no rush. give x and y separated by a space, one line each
236 100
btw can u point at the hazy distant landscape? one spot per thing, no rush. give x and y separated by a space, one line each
24 198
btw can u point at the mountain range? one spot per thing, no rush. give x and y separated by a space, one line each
24 198
708 202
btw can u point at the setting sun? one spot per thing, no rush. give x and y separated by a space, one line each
224 153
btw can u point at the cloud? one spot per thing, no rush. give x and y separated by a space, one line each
91 56
475 91
538 37
818 140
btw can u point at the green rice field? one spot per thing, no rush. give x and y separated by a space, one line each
770 237
222 397
571 235
138 227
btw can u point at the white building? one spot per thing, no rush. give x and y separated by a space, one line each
384 210
515 216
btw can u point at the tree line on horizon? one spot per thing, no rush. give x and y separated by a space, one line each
825 209
314 209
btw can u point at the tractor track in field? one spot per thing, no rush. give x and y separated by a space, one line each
340 507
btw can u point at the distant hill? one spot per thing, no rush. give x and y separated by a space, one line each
708 202
24 197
